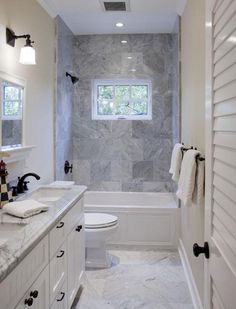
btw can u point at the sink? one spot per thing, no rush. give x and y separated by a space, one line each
9 230
49 194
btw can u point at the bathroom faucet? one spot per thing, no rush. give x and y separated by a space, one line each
20 184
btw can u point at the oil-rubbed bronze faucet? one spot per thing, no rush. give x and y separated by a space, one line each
20 184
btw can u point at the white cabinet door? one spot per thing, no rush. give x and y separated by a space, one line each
37 296
76 259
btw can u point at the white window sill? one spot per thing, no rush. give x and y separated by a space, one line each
15 153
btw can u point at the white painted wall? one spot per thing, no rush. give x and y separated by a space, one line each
27 16
193 117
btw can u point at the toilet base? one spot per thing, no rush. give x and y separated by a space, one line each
98 258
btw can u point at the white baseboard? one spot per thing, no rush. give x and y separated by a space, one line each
189 276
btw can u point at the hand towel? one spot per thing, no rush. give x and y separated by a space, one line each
198 194
186 182
25 209
176 160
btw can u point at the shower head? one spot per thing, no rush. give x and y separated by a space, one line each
74 79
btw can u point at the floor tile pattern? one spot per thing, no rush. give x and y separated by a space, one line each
137 280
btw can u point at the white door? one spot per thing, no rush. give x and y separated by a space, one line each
220 213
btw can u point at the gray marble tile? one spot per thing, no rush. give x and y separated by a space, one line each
137 279
143 170
100 171
104 57
134 186
121 170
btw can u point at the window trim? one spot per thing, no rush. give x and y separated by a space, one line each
121 82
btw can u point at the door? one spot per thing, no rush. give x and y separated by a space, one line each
37 296
220 209
76 259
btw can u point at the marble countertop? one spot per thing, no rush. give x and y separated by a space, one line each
14 249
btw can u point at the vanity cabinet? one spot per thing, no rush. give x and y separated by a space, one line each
50 275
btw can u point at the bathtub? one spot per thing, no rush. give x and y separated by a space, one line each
145 219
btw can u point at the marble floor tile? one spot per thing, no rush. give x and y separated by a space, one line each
137 280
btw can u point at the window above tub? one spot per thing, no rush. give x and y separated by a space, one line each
122 99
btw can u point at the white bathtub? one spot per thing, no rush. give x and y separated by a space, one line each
145 219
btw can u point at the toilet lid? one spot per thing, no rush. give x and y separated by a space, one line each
99 220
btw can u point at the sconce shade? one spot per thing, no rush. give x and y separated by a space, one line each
27 55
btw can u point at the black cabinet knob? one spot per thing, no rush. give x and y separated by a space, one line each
29 301
197 250
34 294
79 228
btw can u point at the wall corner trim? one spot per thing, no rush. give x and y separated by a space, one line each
48 8
189 276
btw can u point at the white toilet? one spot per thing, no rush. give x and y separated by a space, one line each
99 227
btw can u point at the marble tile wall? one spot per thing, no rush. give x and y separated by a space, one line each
64 98
124 155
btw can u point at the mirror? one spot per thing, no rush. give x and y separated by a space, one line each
12 101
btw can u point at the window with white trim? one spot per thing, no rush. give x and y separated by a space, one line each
12 101
122 99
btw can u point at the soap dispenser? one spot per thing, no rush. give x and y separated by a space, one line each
6 195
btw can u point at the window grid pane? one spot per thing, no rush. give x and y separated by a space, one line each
122 100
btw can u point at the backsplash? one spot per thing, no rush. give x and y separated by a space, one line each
123 155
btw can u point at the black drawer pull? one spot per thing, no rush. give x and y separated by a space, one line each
29 301
60 225
62 296
79 228
61 255
34 294
201 250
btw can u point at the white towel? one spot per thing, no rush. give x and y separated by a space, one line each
24 209
198 194
176 160
186 182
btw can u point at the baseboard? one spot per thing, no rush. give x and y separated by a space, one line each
189 276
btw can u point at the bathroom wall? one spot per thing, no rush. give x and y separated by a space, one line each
124 155
40 79
193 118
64 98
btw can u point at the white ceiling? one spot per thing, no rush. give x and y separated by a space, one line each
88 17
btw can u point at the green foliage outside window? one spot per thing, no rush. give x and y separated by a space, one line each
122 99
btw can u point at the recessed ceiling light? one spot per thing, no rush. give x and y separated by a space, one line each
129 57
133 70
119 24
124 42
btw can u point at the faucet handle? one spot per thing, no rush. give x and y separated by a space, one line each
14 191
25 185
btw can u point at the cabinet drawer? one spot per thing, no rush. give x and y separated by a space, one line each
60 301
74 215
22 277
58 271
57 235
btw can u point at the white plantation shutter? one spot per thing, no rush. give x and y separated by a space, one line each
222 262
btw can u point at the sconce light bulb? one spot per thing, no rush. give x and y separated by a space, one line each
27 55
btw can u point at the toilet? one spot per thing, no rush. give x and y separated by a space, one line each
99 228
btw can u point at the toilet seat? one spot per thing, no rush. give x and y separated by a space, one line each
99 220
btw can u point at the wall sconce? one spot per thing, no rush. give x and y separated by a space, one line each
74 79
27 53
